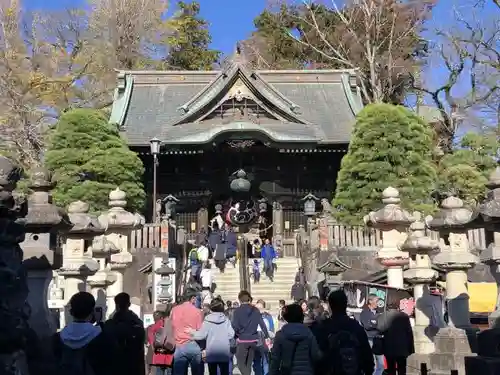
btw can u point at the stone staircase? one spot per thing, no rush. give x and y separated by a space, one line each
272 292
228 283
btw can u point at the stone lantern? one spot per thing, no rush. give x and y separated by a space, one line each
490 212
420 275
119 223
393 221
459 339
104 277
166 285
310 205
77 252
14 311
43 220
452 222
240 184
244 209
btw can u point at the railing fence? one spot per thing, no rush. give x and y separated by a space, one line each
349 237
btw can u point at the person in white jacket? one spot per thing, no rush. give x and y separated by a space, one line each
206 283
202 253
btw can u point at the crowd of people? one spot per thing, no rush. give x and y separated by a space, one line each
310 337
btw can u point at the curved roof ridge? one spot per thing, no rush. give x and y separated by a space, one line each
236 68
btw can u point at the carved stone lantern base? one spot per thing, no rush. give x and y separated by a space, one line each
452 346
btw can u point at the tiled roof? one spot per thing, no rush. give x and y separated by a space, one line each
315 106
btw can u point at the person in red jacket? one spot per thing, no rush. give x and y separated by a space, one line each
161 362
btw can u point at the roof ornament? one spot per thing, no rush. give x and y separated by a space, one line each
238 56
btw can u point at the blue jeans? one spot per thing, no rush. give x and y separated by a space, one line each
163 370
268 267
186 355
379 361
231 364
261 362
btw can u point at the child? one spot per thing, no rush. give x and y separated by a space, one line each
256 248
256 271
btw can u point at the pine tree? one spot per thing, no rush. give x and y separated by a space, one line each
465 171
390 146
89 159
189 47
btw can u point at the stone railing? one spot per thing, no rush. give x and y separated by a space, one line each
349 237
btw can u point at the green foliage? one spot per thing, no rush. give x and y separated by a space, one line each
390 146
465 171
83 143
321 36
189 46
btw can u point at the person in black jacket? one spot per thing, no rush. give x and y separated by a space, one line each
351 337
81 342
127 330
398 342
368 319
246 321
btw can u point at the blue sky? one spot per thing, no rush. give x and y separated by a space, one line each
232 20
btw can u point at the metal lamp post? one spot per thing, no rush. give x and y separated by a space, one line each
155 145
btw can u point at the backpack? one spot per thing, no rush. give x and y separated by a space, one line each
162 342
74 362
344 349
193 255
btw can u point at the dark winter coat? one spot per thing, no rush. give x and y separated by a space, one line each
296 349
298 292
99 347
396 328
332 325
214 239
127 330
232 244
368 320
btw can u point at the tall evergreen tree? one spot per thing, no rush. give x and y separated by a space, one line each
89 159
189 46
390 146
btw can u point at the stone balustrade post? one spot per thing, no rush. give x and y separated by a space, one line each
78 264
15 312
393 221
118 224
420 275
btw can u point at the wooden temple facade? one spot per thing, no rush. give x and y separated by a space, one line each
287 129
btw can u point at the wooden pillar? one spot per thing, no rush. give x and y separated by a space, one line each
202 218
278 225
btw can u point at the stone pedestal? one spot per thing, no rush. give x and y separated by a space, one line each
77 251
393 221
420 275
119 224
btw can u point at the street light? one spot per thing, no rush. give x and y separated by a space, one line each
155 145
310 205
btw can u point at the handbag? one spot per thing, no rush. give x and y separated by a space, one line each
378 345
